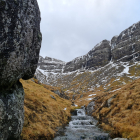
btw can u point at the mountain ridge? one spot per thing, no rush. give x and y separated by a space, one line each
117 55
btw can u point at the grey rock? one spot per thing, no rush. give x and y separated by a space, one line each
110 100
33 80
81 96
108 60
72 104
50 64
121 139
57 92
53 97
20 42
61 94
99 56
11 112
126 46
74 97
83 107
90 108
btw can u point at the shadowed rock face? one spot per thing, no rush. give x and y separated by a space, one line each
20 42
117 59
126 46
99 56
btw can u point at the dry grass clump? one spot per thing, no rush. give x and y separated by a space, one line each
43 113
122 116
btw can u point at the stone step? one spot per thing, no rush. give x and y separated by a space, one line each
81 118
82 122
83 126
104 137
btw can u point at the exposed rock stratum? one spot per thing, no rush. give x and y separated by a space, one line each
109 62
20 42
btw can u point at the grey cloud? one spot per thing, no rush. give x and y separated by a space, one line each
71 28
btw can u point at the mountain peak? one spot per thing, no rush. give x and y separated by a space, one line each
108 59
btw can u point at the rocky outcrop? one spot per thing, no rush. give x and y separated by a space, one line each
115 61
99 56
90 107
20 41
126 46
51 64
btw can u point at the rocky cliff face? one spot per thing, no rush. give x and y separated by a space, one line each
51 64
126 46
99 56
20 41
109 62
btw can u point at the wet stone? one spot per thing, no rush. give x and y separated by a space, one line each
82 127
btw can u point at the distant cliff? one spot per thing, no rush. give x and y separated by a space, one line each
108 60
51 64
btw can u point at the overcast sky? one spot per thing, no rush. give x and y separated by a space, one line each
71 28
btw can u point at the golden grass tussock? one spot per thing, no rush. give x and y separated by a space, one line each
43 114
122 116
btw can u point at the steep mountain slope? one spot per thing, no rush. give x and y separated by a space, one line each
100 55
51 64
118 111
44 111
108 63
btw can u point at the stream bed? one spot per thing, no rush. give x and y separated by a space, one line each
82 127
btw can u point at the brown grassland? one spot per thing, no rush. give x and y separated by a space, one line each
122 116
43 114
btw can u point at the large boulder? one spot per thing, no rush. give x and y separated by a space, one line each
20 42
90 107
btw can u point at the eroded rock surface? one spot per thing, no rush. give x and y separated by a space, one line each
51 64
20 41
109 62
125 47
99 56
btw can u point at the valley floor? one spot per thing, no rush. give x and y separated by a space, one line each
117 109
44 111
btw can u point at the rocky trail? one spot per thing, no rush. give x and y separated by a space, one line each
82 127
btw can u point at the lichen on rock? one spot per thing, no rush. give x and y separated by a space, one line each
20 42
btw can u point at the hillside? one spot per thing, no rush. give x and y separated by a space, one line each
105 80
44 111
108 63
118 111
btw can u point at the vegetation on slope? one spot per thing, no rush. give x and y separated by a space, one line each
119 111
119 115
116 108
43 114
115 73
